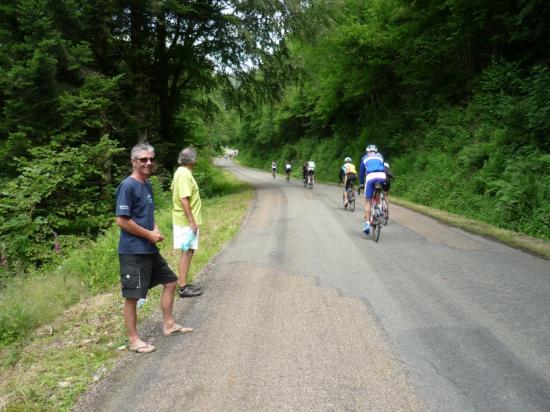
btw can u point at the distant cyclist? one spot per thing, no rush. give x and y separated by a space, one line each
350 175
288 167
341 175
304 172
371 172
273 168
311 170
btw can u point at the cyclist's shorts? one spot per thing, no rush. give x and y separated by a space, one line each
372 179
311 172
350 180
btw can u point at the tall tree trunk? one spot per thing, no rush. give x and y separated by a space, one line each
161 81
138 65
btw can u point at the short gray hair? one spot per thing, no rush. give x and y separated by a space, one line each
141 147
187 156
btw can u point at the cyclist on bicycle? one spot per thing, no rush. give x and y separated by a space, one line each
341 174
311 170
304 172
371 170
288 166
350 175
273 168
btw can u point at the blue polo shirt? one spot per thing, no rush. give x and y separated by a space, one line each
135 200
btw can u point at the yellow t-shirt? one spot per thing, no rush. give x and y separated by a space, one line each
350 168
184 185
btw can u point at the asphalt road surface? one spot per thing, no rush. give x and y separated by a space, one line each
303 312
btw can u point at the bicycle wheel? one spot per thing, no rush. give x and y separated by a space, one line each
376 226
351 202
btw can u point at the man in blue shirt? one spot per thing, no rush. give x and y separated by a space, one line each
141 265
372 168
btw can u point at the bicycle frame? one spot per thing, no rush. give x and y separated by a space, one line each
350 195
376 212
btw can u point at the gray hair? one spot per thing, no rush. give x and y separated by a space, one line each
187 156
141 147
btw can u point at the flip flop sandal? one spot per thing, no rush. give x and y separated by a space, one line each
177 330
147 348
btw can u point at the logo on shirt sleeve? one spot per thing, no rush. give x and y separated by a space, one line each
124 207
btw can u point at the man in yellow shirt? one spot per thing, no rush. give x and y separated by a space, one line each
186 218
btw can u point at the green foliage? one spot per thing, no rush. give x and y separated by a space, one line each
94 264
522 196
78 80
60 191
212 181
34 300
453 93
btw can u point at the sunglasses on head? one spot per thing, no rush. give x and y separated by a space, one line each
145 159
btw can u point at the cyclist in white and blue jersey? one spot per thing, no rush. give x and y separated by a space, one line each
371 170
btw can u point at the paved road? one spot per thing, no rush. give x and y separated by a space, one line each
303 313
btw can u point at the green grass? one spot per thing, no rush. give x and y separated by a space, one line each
62 334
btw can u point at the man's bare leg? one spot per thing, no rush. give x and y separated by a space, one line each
169 326
167 305
367 210
130 319
185 263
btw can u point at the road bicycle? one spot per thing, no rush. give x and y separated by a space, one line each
351 199
310 181
384 208
377 216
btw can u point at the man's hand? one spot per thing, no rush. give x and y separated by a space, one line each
155 236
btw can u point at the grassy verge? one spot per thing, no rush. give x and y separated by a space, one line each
49 368
514 239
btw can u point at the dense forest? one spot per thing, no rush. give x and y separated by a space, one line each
455 93
82 81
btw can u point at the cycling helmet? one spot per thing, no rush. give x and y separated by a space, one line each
371 148
347 160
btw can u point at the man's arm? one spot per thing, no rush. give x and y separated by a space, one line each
186 205
132 227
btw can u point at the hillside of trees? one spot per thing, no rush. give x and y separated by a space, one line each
455 93
81 82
